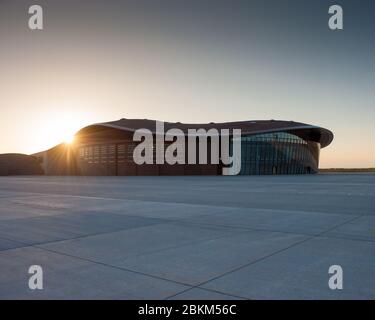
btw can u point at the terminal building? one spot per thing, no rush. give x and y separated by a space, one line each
268 147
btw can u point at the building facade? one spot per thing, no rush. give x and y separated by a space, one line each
267 148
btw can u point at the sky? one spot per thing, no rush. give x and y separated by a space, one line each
188 61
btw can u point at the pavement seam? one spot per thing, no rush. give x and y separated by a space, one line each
211 290
166 222
267 256
310 237
171 202
74 238
111 266
122 268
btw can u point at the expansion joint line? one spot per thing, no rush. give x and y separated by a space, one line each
266 257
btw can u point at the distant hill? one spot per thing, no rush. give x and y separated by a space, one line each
348 170
19 164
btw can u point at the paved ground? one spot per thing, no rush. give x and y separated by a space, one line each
188 237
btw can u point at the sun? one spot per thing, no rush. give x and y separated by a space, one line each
69 139
60 126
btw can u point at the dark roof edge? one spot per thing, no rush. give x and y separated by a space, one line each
325 140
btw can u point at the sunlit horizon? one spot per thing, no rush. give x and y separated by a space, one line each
185 62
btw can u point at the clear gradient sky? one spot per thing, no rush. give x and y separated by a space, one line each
188 61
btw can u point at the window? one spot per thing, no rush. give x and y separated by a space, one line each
278 152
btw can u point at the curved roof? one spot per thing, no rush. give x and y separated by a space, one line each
305 131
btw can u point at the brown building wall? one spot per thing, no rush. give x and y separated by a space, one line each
116 158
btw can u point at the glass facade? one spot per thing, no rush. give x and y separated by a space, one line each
278 153
261 154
